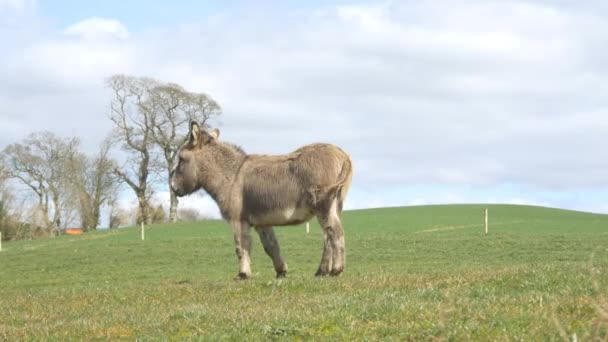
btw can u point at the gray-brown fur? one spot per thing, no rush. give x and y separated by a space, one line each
263 191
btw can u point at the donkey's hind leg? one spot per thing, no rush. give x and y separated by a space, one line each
338 243
326 259
333 258
271 247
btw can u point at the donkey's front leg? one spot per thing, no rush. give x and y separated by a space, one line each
242 240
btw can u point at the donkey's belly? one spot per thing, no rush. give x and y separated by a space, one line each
281 217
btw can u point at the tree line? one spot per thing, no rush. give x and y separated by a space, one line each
60 185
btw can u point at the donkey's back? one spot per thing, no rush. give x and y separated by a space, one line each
290 189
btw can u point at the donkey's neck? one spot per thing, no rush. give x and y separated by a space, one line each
222 169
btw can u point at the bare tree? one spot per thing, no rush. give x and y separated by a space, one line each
38 163
6 198
151 120
133 128
113 211
172 108
3 172
93 183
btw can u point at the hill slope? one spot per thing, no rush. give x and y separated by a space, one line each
412 273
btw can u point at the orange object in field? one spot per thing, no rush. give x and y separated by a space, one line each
73 231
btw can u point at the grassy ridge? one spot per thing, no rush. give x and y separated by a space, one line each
415 273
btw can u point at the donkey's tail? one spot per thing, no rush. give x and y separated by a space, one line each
340 189
337 191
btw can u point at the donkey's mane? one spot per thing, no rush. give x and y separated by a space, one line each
235 147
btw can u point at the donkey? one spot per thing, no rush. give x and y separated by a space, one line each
263 191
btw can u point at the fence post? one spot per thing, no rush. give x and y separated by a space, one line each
142 231
307 227
486 225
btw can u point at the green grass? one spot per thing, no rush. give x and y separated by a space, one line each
415 273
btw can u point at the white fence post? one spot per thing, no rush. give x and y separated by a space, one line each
307 227
486 221
142 231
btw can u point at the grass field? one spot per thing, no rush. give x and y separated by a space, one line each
414 273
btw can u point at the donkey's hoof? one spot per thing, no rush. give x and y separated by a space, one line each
241 276
336 272
321 273
281 274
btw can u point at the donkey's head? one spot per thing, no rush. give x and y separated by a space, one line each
186 174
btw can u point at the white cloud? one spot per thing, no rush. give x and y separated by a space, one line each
86 54
72 64
97 28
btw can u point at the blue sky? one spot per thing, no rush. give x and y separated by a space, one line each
436 101
137 15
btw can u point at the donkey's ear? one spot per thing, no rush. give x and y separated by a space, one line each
215 133
195 132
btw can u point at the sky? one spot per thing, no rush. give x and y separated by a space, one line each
459 101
